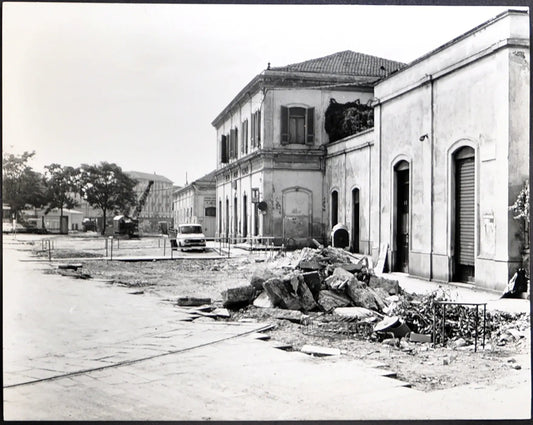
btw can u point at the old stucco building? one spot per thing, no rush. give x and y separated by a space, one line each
195 203
430 183
270 145
447 156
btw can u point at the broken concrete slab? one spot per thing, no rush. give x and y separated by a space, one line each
221 312
361 297
320 351
355 312
329 300
192 301
238 297
74 273
263 301
290 315
290 293
281 294
414 337
260 336
313 282
305 296
260 276
280 345
390 285
312 265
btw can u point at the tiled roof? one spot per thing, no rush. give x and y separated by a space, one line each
347 63
139 175
209 177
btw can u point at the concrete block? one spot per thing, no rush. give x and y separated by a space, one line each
354 312
309 265
320 351
313 282
238 297
329 300
390 285
192 301
414 337
263 301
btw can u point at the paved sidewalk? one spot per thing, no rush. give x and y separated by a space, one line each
460 292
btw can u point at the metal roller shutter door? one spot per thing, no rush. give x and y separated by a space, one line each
465 211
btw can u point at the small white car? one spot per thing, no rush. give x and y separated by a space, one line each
190 236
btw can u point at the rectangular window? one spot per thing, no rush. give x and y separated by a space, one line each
210 212
244 137
223 150
297 125
256 129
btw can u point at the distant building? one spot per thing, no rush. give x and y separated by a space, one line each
196 203
158 206
53 221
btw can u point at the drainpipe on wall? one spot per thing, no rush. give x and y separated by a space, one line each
431 146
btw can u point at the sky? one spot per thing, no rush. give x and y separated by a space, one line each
140 84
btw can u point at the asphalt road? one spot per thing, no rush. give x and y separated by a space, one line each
84 350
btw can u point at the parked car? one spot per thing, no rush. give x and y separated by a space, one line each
190 236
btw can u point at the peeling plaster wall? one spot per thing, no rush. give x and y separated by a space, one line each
472 93
348 166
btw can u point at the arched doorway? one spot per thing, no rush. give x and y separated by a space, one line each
355 220
464 214
334 208
401 225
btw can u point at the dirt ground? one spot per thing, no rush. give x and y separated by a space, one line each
424 367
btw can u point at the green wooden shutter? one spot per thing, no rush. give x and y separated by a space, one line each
284 125
310 140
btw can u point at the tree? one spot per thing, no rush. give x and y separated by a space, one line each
107 187
21 185
61 182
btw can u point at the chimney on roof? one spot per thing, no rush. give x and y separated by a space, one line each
268 66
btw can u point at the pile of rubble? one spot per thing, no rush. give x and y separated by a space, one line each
329 280
333 282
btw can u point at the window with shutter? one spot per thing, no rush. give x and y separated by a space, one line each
230 144
245 135
228 153
310 126
297 125
223 150
252 132
258 128
284 125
